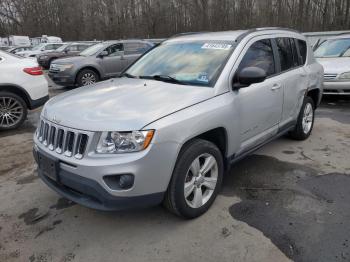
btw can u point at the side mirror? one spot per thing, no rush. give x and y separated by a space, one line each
250 75
103 54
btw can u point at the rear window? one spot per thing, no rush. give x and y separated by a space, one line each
302 50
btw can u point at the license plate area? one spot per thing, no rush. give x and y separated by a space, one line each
48 166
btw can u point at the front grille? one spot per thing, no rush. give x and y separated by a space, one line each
330 76
63 140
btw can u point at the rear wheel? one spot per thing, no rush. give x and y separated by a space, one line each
13 111
87 77
305 121
196 179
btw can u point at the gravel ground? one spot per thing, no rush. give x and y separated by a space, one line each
288 201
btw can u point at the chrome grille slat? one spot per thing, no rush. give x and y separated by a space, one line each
63 140
330 76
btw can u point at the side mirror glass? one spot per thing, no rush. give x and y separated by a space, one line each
103 54
250 75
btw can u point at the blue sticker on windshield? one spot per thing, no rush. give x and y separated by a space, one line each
203 77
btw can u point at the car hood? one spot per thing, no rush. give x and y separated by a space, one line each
122 104
70 60
335 65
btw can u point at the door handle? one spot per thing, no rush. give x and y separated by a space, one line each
276 87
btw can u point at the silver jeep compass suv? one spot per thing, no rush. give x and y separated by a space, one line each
169 127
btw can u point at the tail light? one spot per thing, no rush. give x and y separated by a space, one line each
34 71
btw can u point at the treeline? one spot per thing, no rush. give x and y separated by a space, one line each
113 19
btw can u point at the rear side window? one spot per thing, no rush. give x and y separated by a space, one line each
133 48
302 50
285 53
260 55
296 60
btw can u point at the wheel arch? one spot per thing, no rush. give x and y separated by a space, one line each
314 94
218 136
18 91
92 68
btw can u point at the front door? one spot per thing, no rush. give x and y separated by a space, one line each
114 62
259 105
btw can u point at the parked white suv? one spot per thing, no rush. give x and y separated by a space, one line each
334 55
22 87
40 49
178 117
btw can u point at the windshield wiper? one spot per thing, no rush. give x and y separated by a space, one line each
128 75
164 78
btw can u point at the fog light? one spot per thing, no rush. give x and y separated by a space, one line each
126 181
119 182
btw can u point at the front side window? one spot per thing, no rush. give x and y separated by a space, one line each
72 48
259 54
334 48
49 47
114 50
194 63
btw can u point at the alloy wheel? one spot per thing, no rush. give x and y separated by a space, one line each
308 118
88 79
201 180
11 111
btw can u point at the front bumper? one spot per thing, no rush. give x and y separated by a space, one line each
83 181
62 78
336 88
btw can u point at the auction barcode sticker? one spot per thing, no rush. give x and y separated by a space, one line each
216 46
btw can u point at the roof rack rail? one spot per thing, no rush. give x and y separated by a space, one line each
250 31
187 33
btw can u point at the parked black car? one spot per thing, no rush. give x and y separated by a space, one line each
69 49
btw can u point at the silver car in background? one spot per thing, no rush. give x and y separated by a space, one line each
169 127
98 62
334 55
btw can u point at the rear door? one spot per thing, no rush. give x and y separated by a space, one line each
259 105
294 79
132 51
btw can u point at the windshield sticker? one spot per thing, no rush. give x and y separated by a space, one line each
216 46
203 77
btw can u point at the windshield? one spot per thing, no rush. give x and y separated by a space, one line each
193 63
334 48
61 48
92 50
38 47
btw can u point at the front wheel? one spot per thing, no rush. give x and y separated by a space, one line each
196 179
305 120
13 111
87 77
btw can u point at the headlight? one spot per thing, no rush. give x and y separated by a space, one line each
61 67
43 57
345 75
124 142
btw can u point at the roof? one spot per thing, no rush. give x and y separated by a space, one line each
229 35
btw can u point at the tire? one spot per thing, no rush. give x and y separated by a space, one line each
305 122
87 77
195 152
13 111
